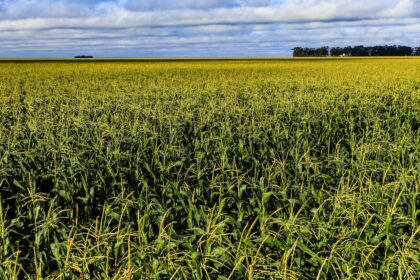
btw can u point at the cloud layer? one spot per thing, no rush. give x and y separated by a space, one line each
167 28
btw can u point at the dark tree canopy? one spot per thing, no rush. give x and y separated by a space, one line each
322 51
387 50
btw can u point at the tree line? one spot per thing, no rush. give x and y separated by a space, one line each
361 50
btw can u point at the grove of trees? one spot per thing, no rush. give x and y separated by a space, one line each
387 50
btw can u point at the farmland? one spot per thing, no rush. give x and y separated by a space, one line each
219 169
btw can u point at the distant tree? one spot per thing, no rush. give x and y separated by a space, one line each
312 51
301 52
377 51
298 51
347 50
405 50
336 51
387 50
323 51
392 50
359 51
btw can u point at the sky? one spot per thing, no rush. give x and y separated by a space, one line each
194 28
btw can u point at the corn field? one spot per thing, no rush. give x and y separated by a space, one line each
218 169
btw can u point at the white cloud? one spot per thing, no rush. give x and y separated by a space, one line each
192 4
174 5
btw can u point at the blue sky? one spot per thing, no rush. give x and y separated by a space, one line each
193 28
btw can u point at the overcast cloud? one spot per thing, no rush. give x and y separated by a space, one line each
192 28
